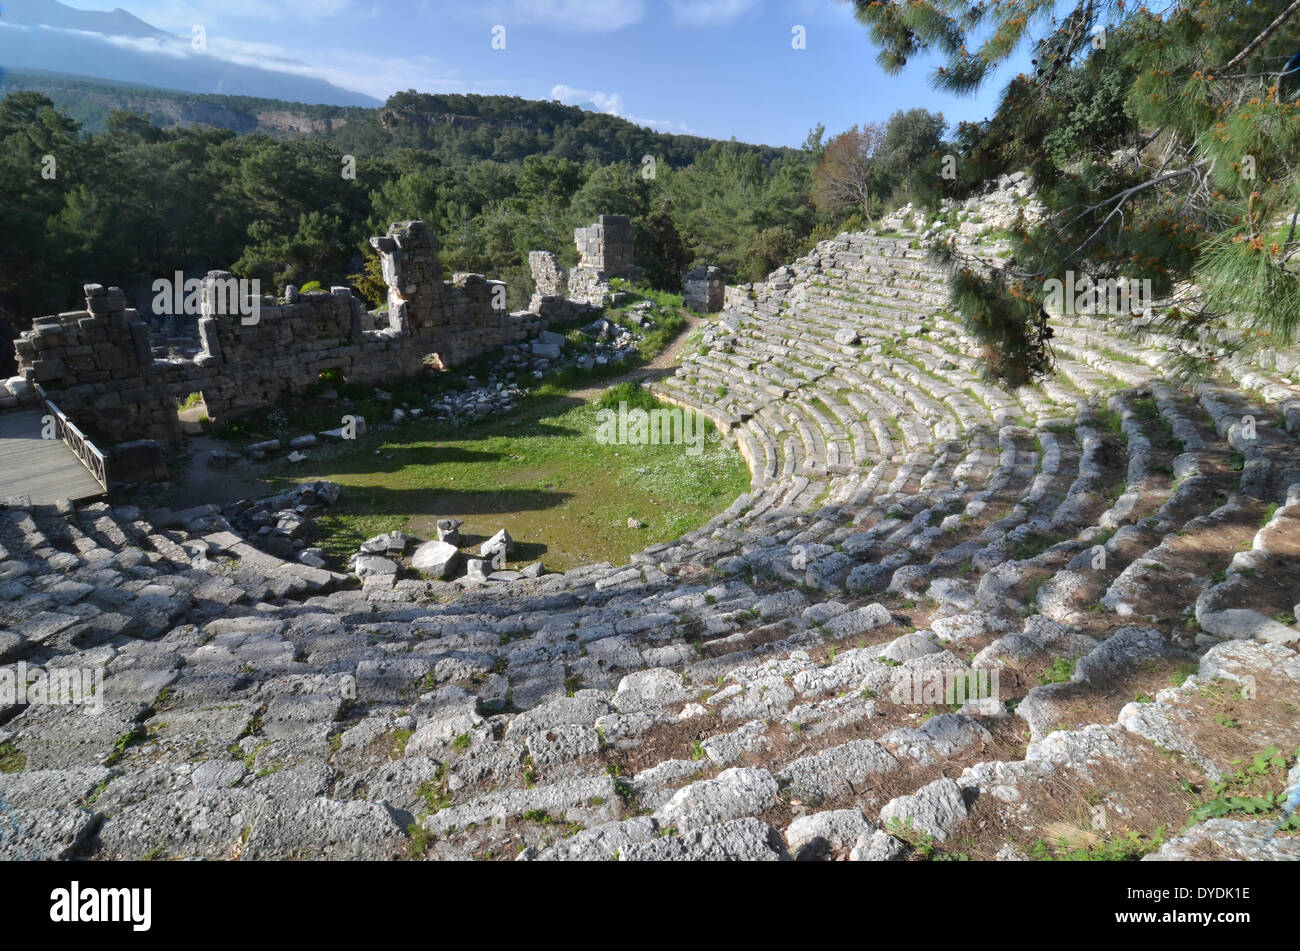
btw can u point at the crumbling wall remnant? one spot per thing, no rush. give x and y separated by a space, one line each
549 278
98 365
606 251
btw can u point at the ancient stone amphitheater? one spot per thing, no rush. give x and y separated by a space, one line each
1119 551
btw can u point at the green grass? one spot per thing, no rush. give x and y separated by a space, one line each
134 736
434 792
1062 669
539 473
1144 407
1111 420
1126 848
1034 545
11 760
400 738
420 841
542 817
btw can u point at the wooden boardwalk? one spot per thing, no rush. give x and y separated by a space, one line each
46 470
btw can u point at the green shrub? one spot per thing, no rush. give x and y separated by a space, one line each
630 393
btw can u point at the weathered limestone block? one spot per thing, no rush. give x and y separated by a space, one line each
704 290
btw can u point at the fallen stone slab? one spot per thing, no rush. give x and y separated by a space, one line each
501 541
436 559
365 566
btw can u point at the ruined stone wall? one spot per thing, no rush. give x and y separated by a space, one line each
607 251
549 278
97 364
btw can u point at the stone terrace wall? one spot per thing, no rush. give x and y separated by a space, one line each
98 366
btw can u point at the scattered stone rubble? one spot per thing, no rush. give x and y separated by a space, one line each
1009 200
382 559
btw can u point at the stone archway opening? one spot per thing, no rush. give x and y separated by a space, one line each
192 413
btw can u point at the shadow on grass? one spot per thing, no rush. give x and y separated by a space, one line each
364 501
364 461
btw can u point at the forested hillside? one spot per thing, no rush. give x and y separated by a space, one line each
453 126
496 177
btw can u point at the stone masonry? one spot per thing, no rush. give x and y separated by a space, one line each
704 289
606 250
97 364
548 276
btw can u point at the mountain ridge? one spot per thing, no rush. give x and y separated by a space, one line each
117 22
409 118
117 46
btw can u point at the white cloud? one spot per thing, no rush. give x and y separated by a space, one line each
166 46
710 12
612 104
175 14
377 76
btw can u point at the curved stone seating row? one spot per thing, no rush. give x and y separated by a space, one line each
1143 342
73 580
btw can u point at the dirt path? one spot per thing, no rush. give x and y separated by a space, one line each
198 481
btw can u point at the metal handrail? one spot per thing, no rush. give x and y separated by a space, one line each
90 455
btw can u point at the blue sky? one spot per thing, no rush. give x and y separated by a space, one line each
718 68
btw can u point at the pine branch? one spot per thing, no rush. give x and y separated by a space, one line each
1124 196
1267 32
